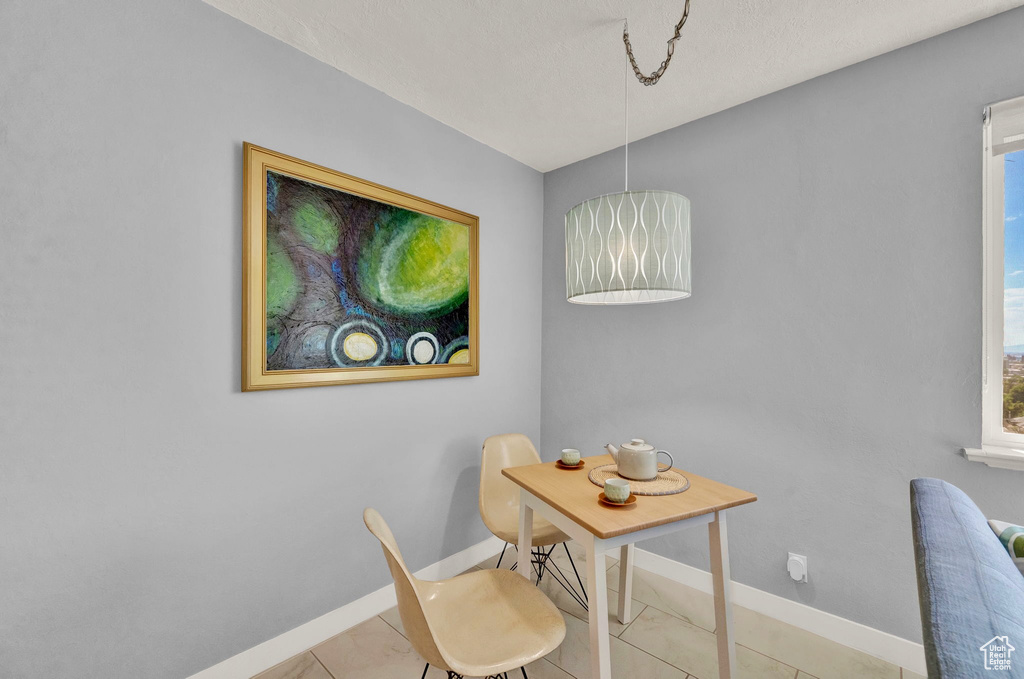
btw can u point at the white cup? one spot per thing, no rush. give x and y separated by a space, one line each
570 457
616 490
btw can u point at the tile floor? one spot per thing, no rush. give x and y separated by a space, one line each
671 637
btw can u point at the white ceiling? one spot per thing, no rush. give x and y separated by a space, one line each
542 80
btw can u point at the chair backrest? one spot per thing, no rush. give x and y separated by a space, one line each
499 497
410 607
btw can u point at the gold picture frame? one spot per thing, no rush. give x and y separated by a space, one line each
355 269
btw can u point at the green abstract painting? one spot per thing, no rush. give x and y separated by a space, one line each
352 282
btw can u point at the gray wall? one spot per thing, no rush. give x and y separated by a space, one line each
154 520
831 349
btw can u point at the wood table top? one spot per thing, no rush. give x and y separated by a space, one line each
572 493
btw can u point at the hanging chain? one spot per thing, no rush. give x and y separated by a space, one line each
656 76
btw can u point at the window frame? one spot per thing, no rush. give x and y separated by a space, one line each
999 448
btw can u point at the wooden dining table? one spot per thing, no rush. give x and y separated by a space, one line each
569 500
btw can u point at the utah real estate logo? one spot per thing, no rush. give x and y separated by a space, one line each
997 653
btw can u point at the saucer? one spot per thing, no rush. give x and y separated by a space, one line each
562 465
605 501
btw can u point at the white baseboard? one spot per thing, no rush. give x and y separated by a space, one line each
874 642
264 656
855 635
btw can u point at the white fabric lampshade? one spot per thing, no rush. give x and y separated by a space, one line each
628 248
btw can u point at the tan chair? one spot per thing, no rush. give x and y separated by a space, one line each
499 508
479 624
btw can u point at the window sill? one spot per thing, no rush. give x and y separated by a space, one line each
997 456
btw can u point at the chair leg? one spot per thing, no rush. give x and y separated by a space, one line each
560 578
502 555
523 670
515 564
563 580
540 559
573 564
425 671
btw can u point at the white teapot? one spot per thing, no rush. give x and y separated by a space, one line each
638 460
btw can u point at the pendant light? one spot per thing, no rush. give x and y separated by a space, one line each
631 247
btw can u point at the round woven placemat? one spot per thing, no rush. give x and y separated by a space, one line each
668 483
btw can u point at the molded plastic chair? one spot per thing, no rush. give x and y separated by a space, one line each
499 508
480 624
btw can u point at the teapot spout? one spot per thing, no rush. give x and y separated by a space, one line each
613 451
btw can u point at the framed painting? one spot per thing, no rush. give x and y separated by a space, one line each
347 281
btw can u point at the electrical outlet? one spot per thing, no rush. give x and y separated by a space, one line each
797 566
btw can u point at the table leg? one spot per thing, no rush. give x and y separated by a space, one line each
525 568
626 583
723 597
597 600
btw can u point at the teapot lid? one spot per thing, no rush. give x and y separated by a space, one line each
638 445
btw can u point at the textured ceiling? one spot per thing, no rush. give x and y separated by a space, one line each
542 80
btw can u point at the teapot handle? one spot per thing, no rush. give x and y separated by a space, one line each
670 460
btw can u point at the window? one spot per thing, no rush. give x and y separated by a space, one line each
1003 370
1012 217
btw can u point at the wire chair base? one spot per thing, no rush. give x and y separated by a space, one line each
456 675
543 563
